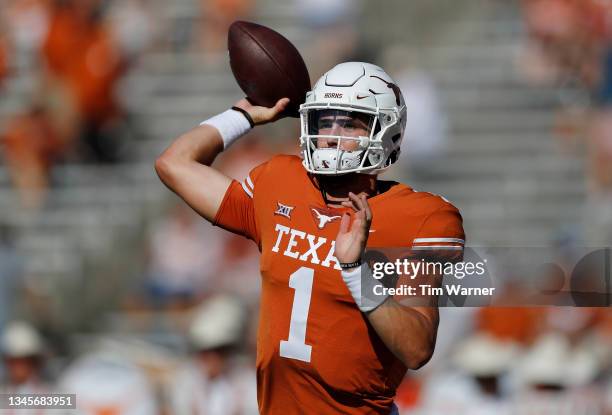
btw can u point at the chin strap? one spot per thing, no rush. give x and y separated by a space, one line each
324 195
320 188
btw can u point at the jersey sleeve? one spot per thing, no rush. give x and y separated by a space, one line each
237 211
441 235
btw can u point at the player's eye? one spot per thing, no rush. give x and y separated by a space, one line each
325 124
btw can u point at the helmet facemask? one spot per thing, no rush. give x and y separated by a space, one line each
339 141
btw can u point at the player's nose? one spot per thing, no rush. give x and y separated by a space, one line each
327 142
336 129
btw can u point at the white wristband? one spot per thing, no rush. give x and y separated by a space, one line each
364 294
231 125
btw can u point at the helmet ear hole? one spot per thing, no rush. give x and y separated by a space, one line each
392 158
396 138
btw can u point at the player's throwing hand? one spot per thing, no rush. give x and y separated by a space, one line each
263 115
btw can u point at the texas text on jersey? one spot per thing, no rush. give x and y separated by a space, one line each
316 352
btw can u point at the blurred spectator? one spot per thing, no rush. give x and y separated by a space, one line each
217 16
31 146
564 41
425 138
570 43
477 385
408 394
3 58
600 147
513 324
486 359
27 23
133 26
602 336
554 377
23 356
573 323
598 210
83 59
108 384
599 133
184 255
334 36
215 382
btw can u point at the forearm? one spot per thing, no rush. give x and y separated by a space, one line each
408 332
201 145
408 328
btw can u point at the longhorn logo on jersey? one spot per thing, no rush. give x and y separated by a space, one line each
323 216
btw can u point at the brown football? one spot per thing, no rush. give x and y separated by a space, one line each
267 66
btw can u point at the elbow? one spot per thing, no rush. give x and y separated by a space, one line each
417 358
164 167
422 350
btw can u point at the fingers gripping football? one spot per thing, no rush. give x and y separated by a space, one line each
263 115
353 234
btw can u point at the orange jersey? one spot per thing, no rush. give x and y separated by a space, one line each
316 352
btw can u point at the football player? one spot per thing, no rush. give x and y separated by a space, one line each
322 348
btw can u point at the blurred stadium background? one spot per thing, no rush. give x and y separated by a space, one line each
111 289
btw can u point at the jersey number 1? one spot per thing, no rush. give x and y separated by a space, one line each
295 346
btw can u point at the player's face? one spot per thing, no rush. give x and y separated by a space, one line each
341 123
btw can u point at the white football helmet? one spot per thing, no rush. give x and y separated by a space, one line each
352 91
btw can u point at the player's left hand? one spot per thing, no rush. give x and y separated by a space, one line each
352 237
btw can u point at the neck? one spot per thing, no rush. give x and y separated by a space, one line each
337 188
